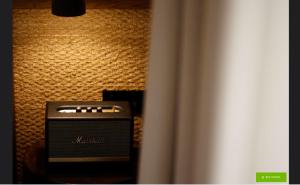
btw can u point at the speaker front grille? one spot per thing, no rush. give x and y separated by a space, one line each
101 138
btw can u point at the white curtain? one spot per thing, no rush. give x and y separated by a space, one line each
216 107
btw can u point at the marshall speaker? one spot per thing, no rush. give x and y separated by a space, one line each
79 132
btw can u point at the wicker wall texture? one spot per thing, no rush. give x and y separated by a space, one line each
58 58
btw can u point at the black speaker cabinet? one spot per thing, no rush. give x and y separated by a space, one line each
79 132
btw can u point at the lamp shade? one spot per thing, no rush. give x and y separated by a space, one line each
68 8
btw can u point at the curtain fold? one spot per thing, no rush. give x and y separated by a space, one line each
160 102
217 91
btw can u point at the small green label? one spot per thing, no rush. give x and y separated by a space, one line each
271 177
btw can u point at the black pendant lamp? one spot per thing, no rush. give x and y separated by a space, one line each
68 8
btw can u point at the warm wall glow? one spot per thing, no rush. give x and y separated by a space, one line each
57 58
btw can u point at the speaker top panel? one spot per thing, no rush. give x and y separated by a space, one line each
88 110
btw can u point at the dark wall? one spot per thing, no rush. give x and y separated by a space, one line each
6 124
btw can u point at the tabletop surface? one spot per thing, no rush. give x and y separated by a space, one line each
36 170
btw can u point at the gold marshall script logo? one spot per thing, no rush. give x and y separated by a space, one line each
88 140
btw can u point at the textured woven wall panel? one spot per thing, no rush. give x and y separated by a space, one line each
58 58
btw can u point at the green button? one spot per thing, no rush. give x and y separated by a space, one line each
271 177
